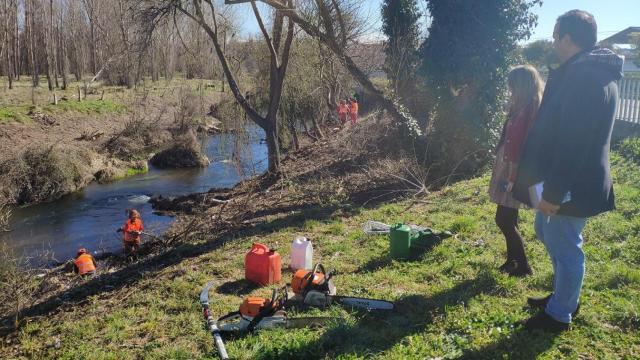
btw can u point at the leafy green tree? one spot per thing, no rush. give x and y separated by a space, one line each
466 58
541 54
400 26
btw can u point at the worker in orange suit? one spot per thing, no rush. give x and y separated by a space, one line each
132 230
84 264
343 110
353 111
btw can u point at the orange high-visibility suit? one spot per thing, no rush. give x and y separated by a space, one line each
132 225
353 111
343 110
84 264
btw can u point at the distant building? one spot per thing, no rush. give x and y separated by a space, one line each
622 44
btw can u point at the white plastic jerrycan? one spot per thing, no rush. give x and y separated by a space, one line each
301 254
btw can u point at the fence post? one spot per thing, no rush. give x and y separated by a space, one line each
636 101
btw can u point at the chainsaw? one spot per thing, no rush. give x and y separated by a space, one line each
316 288
257 313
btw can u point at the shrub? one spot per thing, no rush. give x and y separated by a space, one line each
17 284
185 152
44 173
138 138
466 59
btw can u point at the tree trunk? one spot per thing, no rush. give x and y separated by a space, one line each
16 41
48 35
54 42
273 148
125 42
294 134
94 65
317 128
29 24
29 33
7 46
155 73
63 55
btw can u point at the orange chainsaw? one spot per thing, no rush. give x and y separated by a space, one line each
258 313
316 288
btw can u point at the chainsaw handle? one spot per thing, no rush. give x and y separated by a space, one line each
330 274
319 268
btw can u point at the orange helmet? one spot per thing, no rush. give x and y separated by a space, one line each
82 251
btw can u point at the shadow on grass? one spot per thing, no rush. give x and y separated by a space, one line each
146 267
239 287
520 344
385 260
375 333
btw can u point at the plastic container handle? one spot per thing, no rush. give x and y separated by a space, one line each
259 248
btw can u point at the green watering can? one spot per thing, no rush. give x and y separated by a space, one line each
405 241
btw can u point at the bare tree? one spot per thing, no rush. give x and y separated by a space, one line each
153 12
16 41
48 43
29 29
6 43
327 21
124 32
62 43
90 7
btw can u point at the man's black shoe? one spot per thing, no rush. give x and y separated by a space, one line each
542 321
541 303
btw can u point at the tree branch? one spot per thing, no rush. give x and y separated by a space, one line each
287 43
251 112
388 104
343 27
272 50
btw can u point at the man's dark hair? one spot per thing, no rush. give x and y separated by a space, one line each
581 26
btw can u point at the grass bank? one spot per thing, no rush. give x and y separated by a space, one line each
451 302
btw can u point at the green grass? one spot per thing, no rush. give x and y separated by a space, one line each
86 107
19 113
451 302
14 113
132 171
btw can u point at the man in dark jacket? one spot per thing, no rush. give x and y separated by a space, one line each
564 168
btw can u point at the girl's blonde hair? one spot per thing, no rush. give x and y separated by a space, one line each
526 87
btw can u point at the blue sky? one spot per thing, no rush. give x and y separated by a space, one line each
611 15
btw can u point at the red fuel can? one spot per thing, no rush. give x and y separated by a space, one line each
261 265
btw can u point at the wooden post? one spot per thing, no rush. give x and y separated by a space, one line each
79 94
55 98
102 96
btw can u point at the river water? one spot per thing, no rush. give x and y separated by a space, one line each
90 217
